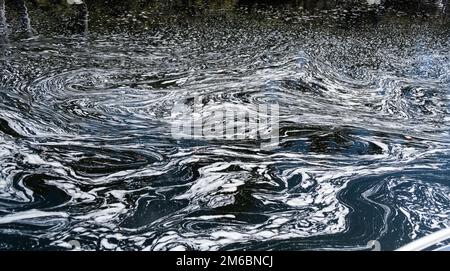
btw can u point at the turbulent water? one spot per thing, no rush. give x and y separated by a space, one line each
87 159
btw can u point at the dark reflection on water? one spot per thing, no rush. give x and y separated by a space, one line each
87 88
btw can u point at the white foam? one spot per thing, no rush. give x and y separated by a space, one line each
30 214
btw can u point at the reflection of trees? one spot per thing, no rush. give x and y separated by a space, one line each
71 16
119 6
20 11
3 27
2 17
313 5
59 16
412 6
79 23
24 18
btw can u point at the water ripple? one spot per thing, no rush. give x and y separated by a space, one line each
88 160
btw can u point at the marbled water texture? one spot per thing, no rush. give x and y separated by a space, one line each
87 159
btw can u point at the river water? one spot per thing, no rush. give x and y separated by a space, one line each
88 161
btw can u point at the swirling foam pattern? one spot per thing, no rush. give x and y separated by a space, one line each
88 161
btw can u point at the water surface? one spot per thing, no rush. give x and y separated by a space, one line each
87 159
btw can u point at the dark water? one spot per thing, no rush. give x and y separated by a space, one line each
87 157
